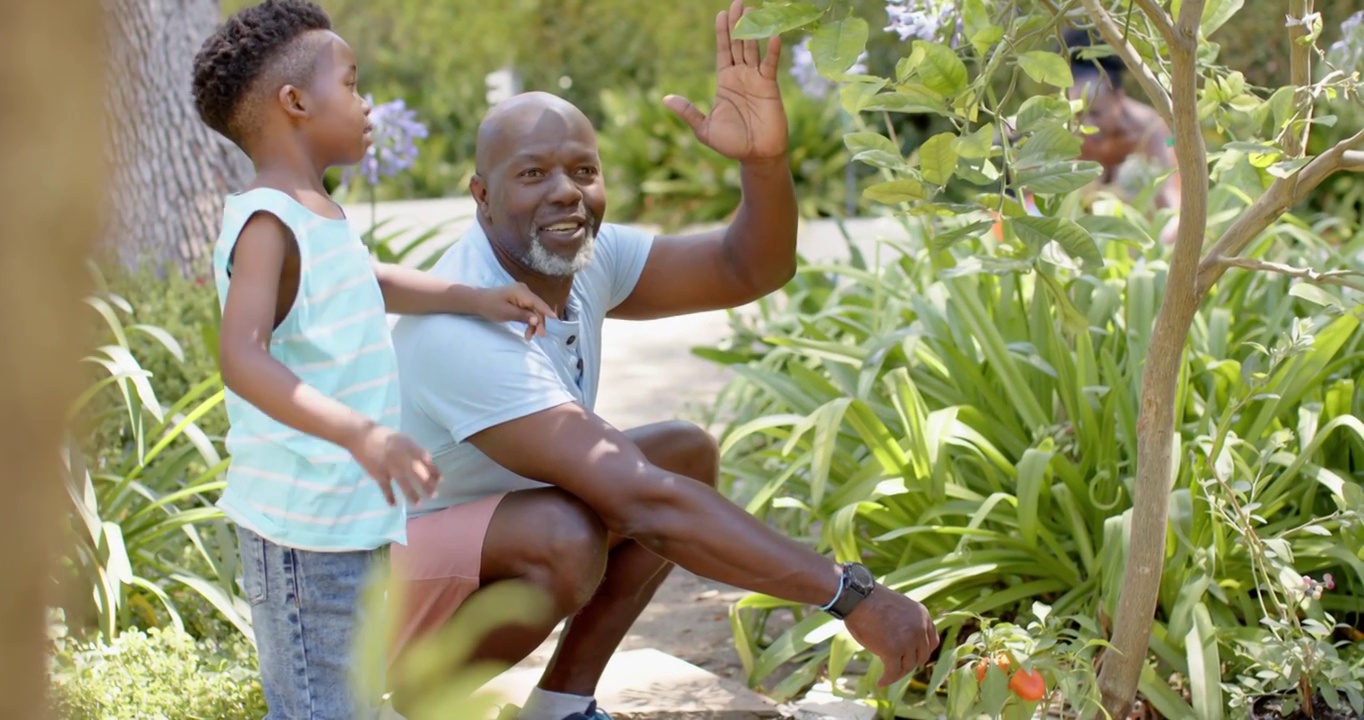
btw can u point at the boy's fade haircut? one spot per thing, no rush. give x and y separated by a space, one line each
256 44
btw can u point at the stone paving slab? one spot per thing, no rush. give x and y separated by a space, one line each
648 684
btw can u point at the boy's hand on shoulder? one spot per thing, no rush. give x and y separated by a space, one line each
391 459
515 303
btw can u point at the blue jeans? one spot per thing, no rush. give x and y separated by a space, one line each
305 607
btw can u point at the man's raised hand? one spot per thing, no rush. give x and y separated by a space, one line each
747 121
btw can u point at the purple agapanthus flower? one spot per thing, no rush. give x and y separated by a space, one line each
394 148
922 19
1348 52
808 78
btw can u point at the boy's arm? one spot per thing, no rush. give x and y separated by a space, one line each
408 291
251 372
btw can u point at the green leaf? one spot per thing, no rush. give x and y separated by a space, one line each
940 68
896 191
977 145
1218 12
1038 231
1049 144
877 157
977 27
1117 229
1041 108
908 99
774 20
974 17
982 41
943 240
856 95
994 692
1314 294
862 141
167 341
836 46
1205 667
1046 67
1057 178
938 159
962 690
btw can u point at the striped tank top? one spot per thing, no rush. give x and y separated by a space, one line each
289 487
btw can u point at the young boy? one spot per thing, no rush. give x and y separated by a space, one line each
306 354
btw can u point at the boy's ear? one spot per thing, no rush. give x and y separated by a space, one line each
291 98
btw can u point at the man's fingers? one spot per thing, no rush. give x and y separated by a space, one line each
723 57
685 110
768 68
895 669
750 48
736 47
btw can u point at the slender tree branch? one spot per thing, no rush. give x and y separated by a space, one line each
1158 17
1352 161
1283 194
1329 277
1300 70
1160 378
1113 35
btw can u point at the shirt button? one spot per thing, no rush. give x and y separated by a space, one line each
572 339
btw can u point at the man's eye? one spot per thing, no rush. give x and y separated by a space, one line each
589 171
533 172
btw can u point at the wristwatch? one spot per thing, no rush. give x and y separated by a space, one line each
854 587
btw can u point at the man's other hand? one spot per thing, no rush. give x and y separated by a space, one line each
747 120
894 628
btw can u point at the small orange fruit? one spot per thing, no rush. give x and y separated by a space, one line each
1002 660
1029 685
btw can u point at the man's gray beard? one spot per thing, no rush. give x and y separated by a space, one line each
542 261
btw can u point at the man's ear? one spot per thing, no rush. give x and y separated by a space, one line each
294 102
479 190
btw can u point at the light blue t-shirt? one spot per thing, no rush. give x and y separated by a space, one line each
289 487
461 375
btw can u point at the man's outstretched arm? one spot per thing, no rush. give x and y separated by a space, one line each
688 523
756 254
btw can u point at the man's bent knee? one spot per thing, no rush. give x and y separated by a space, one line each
562 545
683 448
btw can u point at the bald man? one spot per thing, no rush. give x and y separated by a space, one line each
536 486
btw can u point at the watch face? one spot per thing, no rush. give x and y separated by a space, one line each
860 577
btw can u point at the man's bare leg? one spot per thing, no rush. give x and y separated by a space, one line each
633 574
548 539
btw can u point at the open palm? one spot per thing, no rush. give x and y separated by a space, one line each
747 120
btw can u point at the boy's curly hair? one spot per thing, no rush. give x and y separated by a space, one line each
257 42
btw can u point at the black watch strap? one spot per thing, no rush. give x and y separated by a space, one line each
856 584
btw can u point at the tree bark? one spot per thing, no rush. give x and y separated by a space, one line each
51 186
169 170
1121 673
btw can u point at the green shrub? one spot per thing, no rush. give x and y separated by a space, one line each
162 674
183 308
143 532
968 429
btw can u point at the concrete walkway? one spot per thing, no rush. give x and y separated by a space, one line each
648 371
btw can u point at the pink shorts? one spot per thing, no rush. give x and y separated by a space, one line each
438 568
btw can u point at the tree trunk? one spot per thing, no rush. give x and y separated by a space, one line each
51 185
169 170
